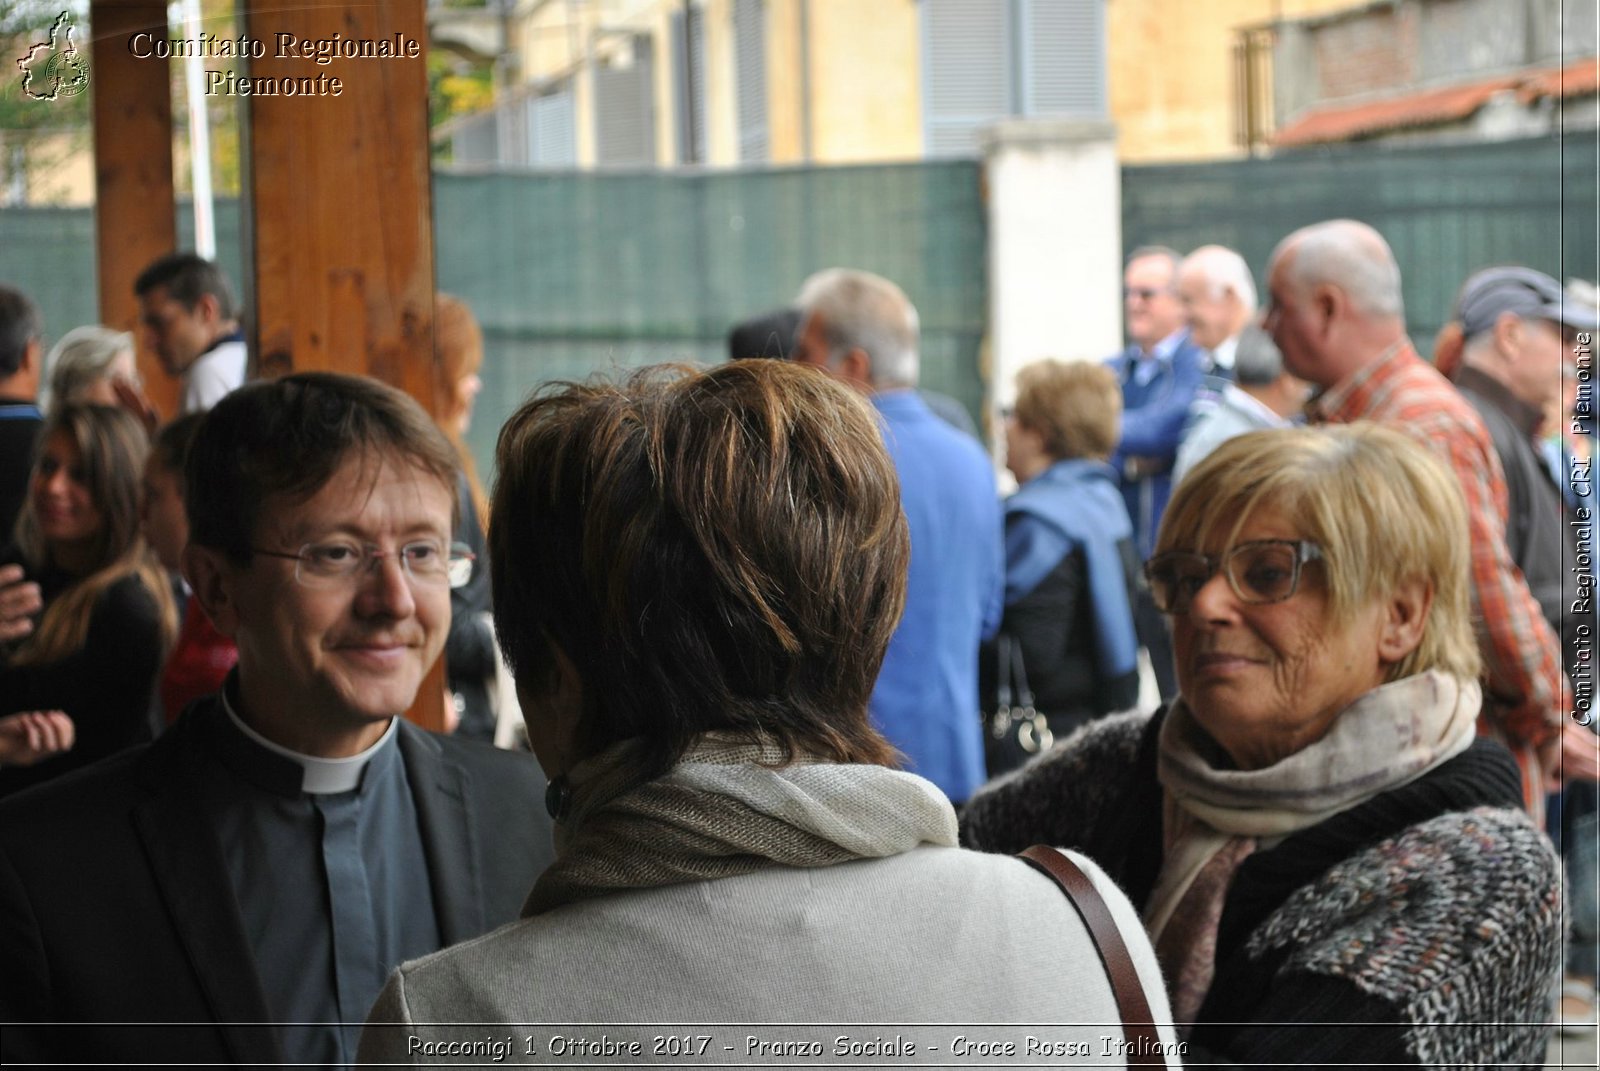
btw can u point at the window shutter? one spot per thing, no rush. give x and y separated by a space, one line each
689 83
750 70
966 62
511 130
552 129
476 140
624 109
1064 58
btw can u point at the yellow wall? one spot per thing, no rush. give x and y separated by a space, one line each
865 85
1171 71
60 169
785 114
866 81
1170 66
721 110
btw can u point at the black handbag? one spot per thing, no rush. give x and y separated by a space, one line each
1016 731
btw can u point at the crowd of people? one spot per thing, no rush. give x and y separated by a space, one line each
822 727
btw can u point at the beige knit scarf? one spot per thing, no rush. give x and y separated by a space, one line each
1215 816
729 808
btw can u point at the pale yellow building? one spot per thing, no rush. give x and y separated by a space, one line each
723 83
1176 67
48 169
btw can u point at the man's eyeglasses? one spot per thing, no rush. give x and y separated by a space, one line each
1260 572
338 562
1143 293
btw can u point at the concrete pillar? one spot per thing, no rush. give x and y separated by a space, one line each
1055 245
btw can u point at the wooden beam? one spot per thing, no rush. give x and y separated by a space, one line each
135 213
341 200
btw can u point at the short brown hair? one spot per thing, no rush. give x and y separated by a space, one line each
188 277
1076 406
288 437
1383 509
718 550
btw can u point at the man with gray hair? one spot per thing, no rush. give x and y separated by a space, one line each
862 329
1161 372
1219 302
1336 314
1261 396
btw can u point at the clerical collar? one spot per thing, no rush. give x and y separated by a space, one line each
318 776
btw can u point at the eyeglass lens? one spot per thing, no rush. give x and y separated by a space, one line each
1258 573
424 562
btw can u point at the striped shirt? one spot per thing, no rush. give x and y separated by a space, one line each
1527 694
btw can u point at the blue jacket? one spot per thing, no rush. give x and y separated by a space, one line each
926 699
1074 505
1153 417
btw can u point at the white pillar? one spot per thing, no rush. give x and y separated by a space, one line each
1055 245
205 230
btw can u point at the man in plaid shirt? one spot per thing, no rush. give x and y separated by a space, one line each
1335 312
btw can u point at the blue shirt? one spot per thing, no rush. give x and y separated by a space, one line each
1156 394
926 699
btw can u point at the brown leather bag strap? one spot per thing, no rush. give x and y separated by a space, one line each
1144 1047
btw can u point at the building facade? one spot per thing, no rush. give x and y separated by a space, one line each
724 83
1436 71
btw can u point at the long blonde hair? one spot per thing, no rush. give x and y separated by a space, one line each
112 444
458 343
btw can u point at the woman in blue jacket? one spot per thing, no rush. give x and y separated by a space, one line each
1067 636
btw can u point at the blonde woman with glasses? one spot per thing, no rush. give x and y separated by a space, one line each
1333 866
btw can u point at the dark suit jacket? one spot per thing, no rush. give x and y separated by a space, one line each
116 908
20 422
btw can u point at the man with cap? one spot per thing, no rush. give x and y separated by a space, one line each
1513 331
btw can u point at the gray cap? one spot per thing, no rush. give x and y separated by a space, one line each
1523 291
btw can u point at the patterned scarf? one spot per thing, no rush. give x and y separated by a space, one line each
728 808
1216 816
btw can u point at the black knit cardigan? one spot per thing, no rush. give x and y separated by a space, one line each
1423 927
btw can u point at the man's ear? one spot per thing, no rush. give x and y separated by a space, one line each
1330 302
1405 617
32 354
856 367
208 309
1508 330
213 581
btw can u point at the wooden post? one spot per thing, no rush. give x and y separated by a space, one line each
136 218
342 205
